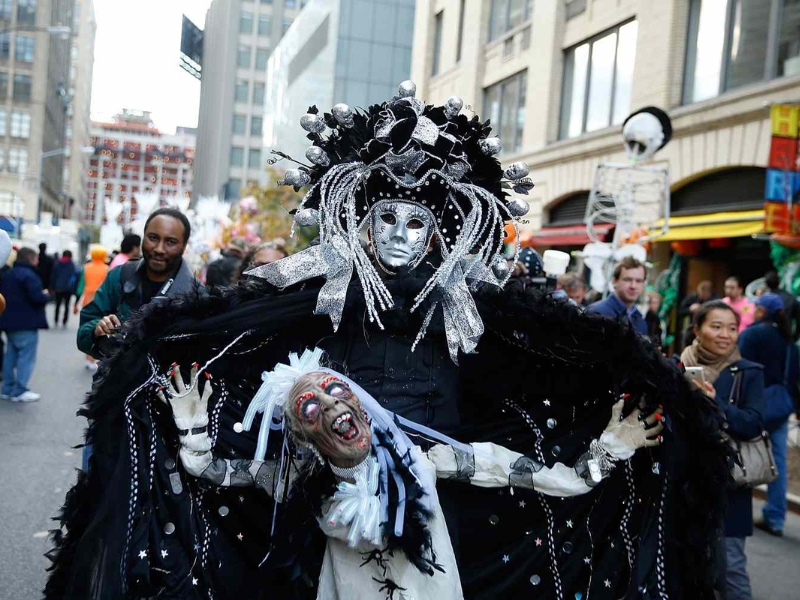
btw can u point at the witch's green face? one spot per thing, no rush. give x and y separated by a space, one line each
401 232
323 411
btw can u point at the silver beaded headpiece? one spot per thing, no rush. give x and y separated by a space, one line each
403 150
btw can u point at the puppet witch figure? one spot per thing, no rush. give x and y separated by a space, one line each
382 516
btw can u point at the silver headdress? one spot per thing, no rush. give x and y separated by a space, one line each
404 151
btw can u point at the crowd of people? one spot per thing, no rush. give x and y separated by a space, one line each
102 291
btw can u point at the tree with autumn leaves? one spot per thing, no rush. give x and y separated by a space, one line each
264 214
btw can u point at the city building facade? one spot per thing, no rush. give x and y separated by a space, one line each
558 77
132 157
78 129
351 51
35 38
238 38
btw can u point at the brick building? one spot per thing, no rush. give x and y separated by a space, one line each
131 157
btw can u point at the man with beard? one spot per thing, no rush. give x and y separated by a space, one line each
161 272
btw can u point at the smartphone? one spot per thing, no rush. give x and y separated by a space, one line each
695 374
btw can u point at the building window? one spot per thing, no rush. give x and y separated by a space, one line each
3 86
258 93
26 12
239 124
262 56
17 160
232 189
20 124
3 121
269 2
254 159
437 42
5 45
732 43
256 126
504 103
507 14
264 25
460 30
291 3
6 9
24 49
22 87
574 8
286 24
246 22
243 57
598 76
242 91
237 156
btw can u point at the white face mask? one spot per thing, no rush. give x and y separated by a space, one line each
401 232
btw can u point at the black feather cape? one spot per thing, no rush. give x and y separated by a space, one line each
542 383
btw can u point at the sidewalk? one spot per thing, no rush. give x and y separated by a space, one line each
774 563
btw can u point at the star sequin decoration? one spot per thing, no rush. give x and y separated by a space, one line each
506 558
607 583
587 560
240 537
164 554
547 403
196 547
241 499
194 580
538 541
522 503
143 554
569 524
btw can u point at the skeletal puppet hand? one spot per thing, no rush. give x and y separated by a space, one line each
188 407
622 438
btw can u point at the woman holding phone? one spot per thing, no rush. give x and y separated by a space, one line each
738 387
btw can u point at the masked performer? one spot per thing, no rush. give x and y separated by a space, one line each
405 293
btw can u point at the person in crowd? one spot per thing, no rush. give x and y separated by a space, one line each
129 249
161 271
23 318
62 283
574 285
653 320
767 341
628 282
92 277
263 254
45 268
791 308
225 270
735 298
692 302
737 385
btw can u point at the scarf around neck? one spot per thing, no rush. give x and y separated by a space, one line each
713 364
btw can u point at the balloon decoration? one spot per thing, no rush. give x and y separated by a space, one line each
719 243
687 248
510 234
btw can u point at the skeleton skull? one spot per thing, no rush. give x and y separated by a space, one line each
645 132
325 413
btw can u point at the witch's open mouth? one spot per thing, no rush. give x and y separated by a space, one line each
345 427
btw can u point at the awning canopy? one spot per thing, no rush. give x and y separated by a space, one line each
709 226
567 235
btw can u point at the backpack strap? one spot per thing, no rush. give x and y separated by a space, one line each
128 285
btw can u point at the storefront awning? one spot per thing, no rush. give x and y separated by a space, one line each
709 226
569 235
